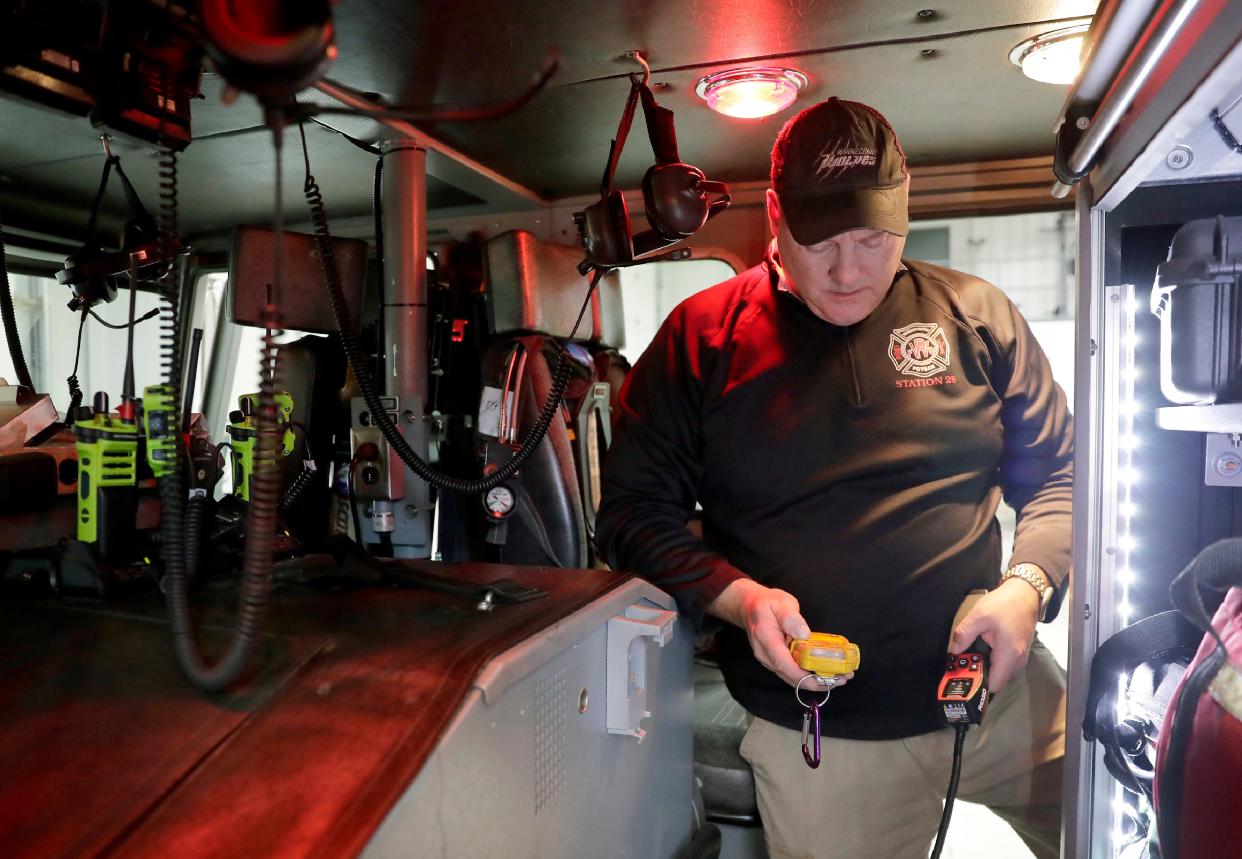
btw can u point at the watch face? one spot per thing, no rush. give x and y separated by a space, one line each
499 501
1045 600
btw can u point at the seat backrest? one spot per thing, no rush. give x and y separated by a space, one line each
534 295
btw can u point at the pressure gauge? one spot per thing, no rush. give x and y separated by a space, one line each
499 501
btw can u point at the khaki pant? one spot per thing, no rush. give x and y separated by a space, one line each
884 798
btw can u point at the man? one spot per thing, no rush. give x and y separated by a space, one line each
848 422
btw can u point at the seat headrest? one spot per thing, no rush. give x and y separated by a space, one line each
534 286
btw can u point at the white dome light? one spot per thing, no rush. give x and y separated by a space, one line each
1053 57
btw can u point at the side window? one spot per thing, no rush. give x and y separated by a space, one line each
49 335
207 313
929 244
650 292
29 300
1031 258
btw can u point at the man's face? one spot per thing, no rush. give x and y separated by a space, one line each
842 279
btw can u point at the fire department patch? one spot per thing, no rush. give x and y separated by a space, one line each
919 349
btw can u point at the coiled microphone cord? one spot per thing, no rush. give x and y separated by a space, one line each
366 386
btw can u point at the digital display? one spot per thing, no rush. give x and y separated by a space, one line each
957 688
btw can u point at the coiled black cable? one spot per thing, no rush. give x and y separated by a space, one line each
75 387
261 517
305 477
10 318
296 489
195 514
379 415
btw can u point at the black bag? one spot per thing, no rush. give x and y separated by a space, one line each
1151 656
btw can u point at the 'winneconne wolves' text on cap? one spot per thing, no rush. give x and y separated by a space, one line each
837 166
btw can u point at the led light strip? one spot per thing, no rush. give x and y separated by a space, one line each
1127 475
1127 471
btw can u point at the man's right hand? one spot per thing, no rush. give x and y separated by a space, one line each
771 619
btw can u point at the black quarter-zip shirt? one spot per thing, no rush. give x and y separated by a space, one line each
857 467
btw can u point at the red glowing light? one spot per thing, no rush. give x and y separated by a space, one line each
751 93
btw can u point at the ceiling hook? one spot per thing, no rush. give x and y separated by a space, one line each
106 140
637 56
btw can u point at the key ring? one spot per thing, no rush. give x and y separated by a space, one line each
810 724
831 684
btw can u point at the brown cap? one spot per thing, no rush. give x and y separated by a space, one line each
837 166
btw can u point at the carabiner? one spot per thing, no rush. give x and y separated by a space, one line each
810 725
810 713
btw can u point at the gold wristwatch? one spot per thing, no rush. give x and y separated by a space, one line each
1036 578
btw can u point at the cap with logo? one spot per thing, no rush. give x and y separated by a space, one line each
837 166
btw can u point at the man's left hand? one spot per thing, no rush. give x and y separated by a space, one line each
1005 618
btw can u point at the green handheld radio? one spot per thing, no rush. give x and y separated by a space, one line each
107 497
159 422
243 432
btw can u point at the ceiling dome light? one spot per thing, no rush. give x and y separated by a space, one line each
751 93
1053 57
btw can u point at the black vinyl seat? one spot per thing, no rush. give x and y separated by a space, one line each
549 525
534 291
719 725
